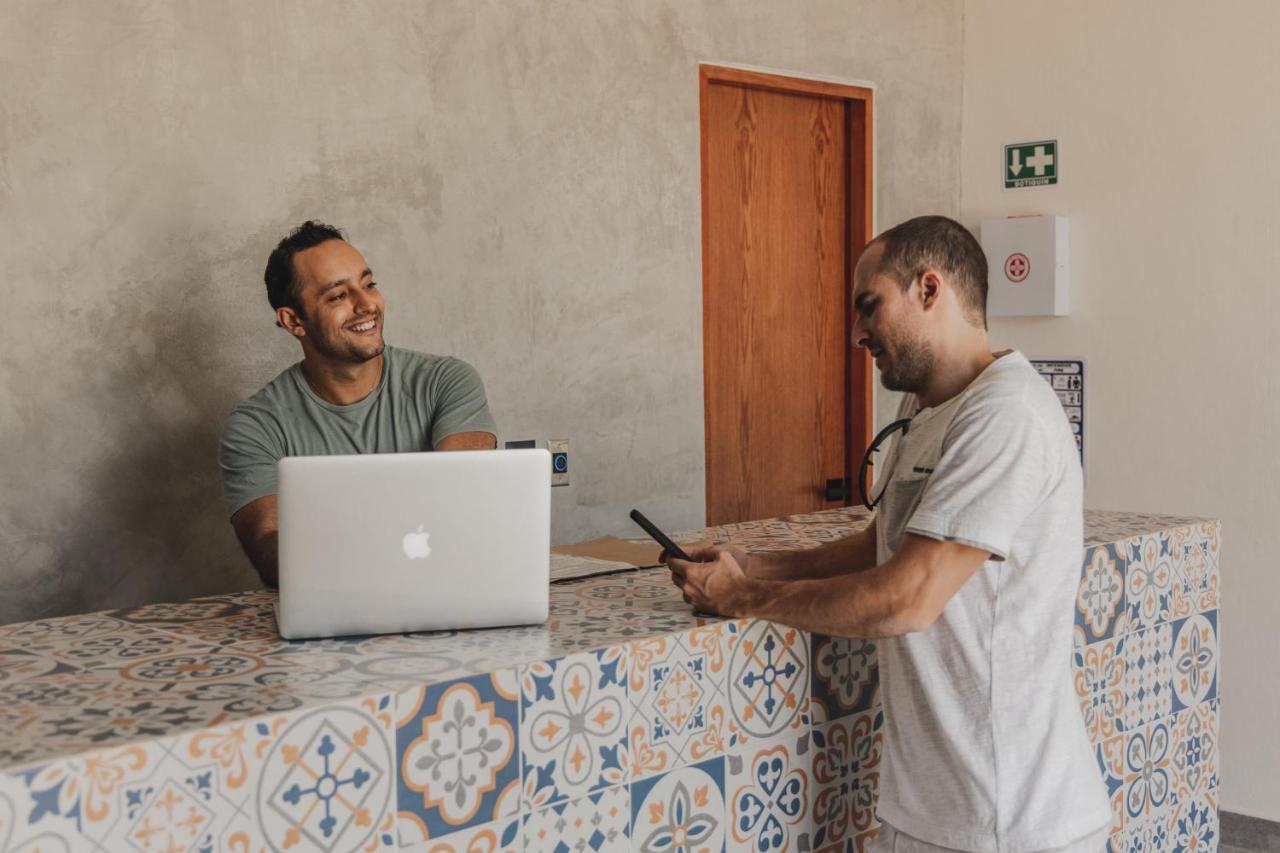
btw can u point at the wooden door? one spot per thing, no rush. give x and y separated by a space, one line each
785 209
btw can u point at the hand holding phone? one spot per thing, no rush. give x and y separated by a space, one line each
658 536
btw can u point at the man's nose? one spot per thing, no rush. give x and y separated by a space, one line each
364 302
858 337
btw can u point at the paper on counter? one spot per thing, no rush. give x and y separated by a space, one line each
613 549
567 567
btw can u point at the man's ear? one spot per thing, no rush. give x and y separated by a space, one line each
291 321
930 288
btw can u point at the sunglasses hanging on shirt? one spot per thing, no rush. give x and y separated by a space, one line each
868 460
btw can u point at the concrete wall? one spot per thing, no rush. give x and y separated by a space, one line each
1169 174
522 176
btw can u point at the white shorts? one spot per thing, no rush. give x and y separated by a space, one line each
890 840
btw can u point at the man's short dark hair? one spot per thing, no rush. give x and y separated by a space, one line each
281 278
946 245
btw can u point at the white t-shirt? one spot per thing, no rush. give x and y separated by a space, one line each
985 745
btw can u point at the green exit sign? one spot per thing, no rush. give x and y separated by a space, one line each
1031 164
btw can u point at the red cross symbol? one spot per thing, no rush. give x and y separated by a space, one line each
1017 267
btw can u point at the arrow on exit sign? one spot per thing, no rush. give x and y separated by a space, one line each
1031 164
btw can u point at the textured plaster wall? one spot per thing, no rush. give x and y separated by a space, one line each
523 178
1169 176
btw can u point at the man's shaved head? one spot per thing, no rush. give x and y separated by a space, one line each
943 244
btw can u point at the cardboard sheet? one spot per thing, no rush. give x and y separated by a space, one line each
614 550
565 567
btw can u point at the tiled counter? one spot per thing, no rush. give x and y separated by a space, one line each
625 722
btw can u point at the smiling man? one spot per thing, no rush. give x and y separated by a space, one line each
968 571
351 393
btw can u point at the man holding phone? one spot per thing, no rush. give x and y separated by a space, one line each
968 570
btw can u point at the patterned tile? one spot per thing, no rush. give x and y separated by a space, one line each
144 797
318 778
598 822
1099 681
117 645
683 810
573 714
327 779
606 611
1195 660
27 827
845 763
261 596
45 633
315 779
1100 600
1150 835
1148 771
483 651
120 720
1148 675
676 686
768 679
768 788
790 533
19 743
160 803
22 664
1149 581
1195 751
253 630
845 677
498 837
48 717
1195 826
275 691
1110 754
1194 550
459 755
1106 526
191 668
58 690
179 613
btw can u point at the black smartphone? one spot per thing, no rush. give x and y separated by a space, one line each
658 536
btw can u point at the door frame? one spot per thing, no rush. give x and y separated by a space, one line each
860 179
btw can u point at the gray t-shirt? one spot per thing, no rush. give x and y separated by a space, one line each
420 400
985 748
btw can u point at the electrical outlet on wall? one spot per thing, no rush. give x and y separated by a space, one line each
559 448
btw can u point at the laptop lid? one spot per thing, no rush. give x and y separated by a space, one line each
395 542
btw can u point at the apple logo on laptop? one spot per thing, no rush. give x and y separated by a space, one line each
415 544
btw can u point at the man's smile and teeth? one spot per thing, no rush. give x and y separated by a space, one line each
364 326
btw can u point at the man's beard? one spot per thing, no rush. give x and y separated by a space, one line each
341 348
910 368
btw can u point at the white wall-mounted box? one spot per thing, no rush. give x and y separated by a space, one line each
1027 272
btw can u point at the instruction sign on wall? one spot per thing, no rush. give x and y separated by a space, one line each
1066 377
1031 164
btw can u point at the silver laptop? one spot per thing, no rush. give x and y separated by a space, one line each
394 542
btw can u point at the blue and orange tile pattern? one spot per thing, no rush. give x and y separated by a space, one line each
624 723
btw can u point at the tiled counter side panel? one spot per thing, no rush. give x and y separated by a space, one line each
1146 673
728 732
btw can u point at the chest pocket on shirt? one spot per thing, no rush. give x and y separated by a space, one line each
901 498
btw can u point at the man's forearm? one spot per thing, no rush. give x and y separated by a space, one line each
856 553
862 604
264 553
257 526
468 441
